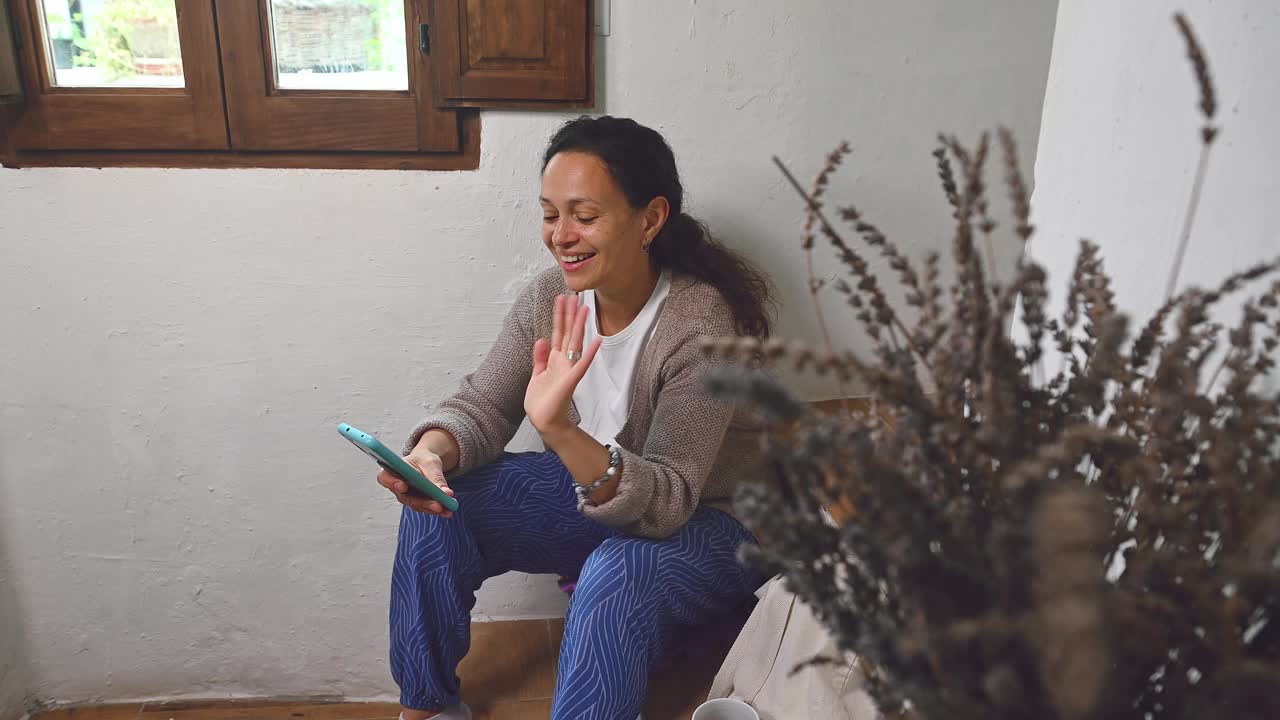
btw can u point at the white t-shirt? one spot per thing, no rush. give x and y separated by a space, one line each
603 397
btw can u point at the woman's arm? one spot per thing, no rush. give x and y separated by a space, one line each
586 459
658 489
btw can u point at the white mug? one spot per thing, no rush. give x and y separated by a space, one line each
725 709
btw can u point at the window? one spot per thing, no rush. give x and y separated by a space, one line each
284 83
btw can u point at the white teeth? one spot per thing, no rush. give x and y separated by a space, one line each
574 258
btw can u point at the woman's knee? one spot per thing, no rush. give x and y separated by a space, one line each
414 524
700 565
627 564
432 541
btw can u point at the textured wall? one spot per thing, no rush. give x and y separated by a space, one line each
13 654
180 344
1120 140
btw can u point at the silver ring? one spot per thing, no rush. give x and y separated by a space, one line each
573 356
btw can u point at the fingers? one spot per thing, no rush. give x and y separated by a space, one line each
579 327
579 369
420 504
411 500
571 305
392 483
557 323
541 352
430 468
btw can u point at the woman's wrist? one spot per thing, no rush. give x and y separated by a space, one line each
442 444
557 436
586 459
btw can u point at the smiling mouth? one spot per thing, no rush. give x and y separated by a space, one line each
573 262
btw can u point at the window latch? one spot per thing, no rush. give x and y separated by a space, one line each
424 38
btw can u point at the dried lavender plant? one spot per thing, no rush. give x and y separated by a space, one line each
1099 542
1208 132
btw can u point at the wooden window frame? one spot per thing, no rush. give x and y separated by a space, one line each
467 159
138 118
263 117
531 54
218 121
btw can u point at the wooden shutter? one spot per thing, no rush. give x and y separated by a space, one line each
512 53
264 117
10 82
75 118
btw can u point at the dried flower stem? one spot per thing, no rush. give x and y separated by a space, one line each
811 210
835 237
1018 195
1208 132
1193 203
822 327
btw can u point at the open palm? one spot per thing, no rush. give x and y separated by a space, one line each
546 400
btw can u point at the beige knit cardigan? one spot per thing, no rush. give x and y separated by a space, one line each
680 446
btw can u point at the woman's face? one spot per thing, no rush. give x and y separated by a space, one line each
592 231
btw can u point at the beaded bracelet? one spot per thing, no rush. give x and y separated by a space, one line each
584 491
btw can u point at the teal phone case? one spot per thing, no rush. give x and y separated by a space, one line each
396 465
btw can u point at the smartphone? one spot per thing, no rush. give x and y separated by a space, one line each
396 465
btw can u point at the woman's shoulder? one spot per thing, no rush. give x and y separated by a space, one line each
531 309
693 291
544 286
700 306
535 298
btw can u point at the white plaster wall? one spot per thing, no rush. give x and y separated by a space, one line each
1120 138
178 345
13 656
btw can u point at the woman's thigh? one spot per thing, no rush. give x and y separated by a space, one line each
685 579
522 512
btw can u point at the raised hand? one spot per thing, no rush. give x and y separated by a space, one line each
558 366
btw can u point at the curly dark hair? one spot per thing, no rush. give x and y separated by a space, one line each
641 162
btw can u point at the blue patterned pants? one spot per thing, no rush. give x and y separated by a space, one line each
520 513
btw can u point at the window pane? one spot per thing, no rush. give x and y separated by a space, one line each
340 44
113 43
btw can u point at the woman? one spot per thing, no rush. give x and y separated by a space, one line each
639 456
